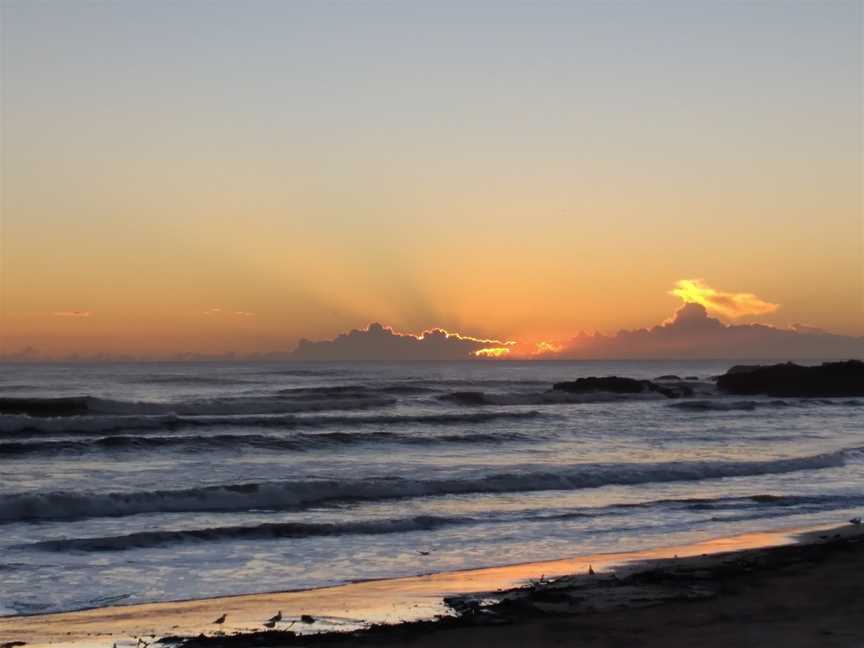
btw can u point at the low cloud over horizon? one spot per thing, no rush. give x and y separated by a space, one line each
382 343
690 333
693 333
695 330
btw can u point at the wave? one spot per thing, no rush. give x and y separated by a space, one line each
299 494
301 373
163 379
480 398
20 425
285 403
15 387
267 531
722 405
300 442
744 507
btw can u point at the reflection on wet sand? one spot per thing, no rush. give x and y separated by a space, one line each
343 607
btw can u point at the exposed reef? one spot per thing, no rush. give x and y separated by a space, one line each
826 380
619 385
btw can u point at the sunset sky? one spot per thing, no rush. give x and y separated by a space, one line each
226 176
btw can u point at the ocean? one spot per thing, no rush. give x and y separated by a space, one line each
130 483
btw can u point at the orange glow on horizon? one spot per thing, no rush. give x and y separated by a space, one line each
547 347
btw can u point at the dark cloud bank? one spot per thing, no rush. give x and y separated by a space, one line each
379 342
691 333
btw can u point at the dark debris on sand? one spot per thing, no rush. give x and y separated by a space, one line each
648 584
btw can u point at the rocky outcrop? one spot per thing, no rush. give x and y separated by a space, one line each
790 380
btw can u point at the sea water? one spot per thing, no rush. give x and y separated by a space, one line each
166 481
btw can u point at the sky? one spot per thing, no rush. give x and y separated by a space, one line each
222 176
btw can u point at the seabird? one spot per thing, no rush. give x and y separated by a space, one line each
590 570
221 620
277 618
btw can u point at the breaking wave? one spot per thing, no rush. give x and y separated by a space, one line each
480 398
267 531
316 400
18 425
288 495
745 507
722 405
299 442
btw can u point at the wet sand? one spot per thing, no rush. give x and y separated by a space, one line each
809 594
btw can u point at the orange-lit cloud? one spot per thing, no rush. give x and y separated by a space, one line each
543 348
72 314
492 352
732 305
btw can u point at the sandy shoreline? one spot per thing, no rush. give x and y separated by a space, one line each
357 605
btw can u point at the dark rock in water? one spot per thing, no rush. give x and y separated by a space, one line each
613 384
668 377
679 390
692 378
465 398
64 406
307 618
742 369
827 380
619 385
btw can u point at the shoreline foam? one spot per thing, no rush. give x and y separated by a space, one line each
355 605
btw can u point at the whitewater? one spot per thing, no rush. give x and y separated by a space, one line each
128 483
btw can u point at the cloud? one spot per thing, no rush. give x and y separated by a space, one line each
692 333
72 314
381 343
808 330
492 352
731 305
544 348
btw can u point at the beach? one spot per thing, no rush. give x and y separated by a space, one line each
142 502
775 597
756 587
